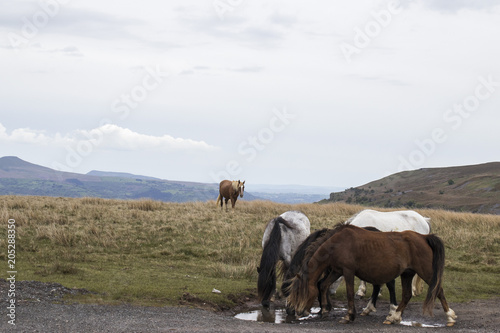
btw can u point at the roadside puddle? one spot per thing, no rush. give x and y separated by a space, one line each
417 324
279 316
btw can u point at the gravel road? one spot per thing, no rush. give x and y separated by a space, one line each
39 309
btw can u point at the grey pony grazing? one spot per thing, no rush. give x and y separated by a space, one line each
282 237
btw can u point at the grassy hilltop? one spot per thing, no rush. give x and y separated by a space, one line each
156 253
473 188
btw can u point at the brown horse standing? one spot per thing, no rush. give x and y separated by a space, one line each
230 190
375 257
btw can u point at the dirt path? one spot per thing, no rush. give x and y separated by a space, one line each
36 312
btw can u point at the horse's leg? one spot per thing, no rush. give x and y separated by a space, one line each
226 203
372 303
450 314
392 295
349 286
362 289
396 317
323 286
323 299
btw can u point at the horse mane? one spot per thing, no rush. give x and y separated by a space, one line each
311 249
297 289
298 258
235 184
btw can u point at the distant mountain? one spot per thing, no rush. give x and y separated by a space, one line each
119 174
16 168
299 189
18 177
290 198
474 188
290 194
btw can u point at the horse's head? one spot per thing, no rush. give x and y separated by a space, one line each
241 188
301 295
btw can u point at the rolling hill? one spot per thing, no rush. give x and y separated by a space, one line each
19 177
474 188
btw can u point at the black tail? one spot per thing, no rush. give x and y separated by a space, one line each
435 286
267 269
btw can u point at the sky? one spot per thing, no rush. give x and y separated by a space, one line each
328 93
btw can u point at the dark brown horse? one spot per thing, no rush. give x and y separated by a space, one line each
304 254
378 258
230 190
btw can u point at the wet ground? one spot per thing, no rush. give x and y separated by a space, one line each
277 314
36 312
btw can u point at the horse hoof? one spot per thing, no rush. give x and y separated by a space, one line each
450 324
387 322
344 321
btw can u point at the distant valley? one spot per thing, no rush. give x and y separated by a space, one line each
18 177
473 188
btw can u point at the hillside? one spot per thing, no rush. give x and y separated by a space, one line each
18 177
474 188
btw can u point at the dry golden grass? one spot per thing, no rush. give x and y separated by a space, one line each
149 251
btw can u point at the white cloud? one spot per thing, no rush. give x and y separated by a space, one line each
108 136
226 75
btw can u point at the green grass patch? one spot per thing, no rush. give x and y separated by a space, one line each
154 253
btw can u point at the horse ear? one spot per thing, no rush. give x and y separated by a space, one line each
244 182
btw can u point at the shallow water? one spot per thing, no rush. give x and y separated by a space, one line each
417 324
279 316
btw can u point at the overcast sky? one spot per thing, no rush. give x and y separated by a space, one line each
332 93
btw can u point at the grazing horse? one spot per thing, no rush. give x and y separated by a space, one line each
389 221
375 257
230 190
302 256
282 237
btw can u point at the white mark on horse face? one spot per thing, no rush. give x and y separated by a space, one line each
242 189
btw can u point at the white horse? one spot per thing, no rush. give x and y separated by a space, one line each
282 237
388 221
